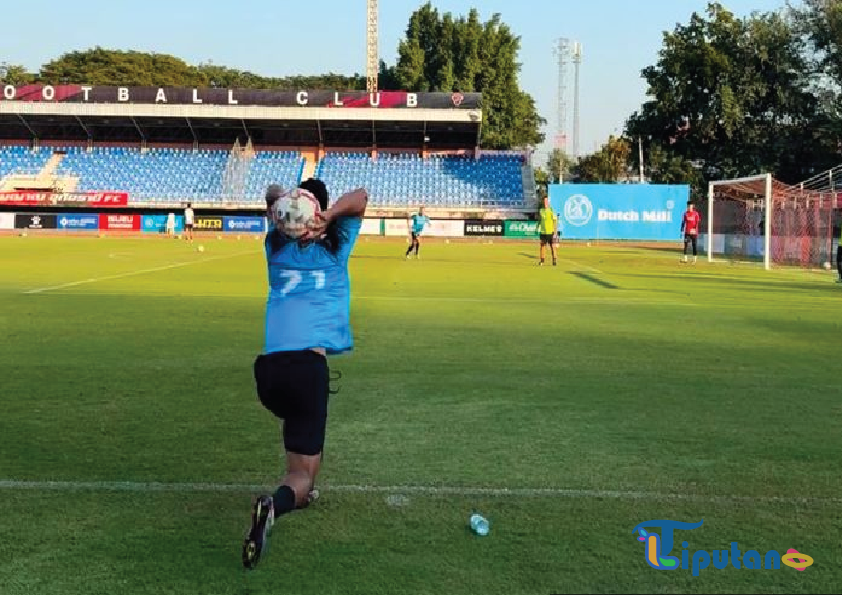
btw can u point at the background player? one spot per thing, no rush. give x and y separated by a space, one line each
307 319
547 228
417 223
188 222
690 228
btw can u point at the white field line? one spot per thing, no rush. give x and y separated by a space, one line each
431 490
137 272
582 266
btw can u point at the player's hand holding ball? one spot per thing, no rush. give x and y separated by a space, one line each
317 228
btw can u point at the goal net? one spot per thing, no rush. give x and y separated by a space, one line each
759 219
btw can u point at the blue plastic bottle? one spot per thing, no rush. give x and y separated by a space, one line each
479 525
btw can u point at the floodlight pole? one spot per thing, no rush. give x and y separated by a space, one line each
372 52
767 257
710 222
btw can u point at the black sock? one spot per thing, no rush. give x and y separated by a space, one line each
417 248
284 500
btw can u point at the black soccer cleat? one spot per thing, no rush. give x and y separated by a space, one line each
262 518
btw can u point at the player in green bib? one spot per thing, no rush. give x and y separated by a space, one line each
547 230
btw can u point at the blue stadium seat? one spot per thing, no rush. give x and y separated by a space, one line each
22 160
396 180
157 174
273 167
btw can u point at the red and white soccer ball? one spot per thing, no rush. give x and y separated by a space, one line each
294 212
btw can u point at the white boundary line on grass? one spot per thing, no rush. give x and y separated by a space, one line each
138 272
583 266
432 490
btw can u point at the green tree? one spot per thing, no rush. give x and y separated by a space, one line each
731 93
663 167
542 180
443 53
14 74
113 67
559 165
609 164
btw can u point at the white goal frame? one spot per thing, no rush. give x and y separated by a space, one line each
767 202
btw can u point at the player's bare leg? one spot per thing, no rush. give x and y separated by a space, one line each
552 251
542 251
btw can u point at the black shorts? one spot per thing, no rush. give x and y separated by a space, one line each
547 238
294 386
414 236
188 226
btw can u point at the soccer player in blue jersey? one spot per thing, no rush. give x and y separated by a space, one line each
417 223
307 319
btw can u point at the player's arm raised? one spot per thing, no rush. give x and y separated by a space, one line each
352 204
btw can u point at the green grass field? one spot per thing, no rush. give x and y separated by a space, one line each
628 386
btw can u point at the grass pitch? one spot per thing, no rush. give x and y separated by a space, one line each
616 388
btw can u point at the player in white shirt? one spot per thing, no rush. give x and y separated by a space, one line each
188 222
170 225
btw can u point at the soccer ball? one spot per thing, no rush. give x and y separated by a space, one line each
294 212
201 248
827 265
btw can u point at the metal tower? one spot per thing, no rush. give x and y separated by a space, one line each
577 64
372 53
562 53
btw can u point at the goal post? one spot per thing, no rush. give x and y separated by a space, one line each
731 230
759 219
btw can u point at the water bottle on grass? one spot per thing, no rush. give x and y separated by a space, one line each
479 525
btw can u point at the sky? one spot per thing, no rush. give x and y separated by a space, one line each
284 37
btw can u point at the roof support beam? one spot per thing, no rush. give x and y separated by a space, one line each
29 128
139 131
85 128
193 132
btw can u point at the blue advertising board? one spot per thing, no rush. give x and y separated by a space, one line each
244 225
619 211
158 223
78 221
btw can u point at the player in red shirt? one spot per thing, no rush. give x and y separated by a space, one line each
690 227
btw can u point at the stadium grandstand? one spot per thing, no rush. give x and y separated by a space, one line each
219 149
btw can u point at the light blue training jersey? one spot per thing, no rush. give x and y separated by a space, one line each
419 222
310 294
